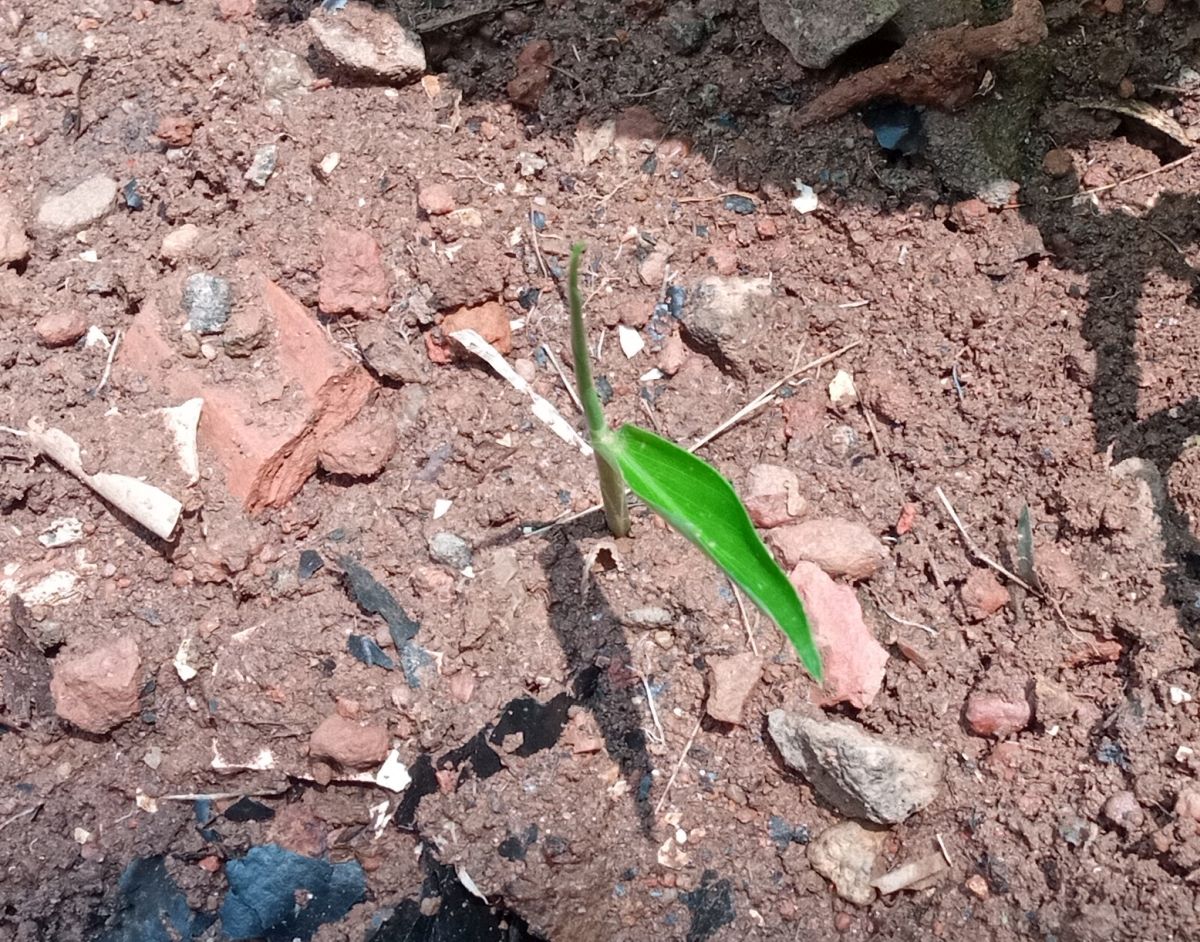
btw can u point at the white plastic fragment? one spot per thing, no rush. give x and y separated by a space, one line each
381 817
329 162
806 198
154 509
96 337
185 670
62 532
441 507
911 874
145 802
263 761
393 774
631 341
465 879
1179 696
842 392
1184 753
542 410
651 376
182 422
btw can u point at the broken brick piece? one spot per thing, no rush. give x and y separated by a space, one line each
263 427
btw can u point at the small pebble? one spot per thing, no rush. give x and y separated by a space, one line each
207 300
262 166
742 205
450 550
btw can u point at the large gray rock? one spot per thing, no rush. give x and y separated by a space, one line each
862 775
816 31
78 208
368 42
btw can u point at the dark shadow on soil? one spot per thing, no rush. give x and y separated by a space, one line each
594 645
1149 243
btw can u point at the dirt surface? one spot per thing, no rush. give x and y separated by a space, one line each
541 689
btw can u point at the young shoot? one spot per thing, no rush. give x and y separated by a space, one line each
688 493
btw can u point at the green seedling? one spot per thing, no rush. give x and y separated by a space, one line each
688 493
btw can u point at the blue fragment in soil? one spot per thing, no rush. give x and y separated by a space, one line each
310 564
375 599
644 787
152 907
538 219
742 205
412 658
529 297
650 164
604 389
540 357
671 919
724 592
702 231
131 196
1112 753
366 650
620 890
676 295
263 887
556 269
726 121
202 808
711 905
897 126
247 809
332 6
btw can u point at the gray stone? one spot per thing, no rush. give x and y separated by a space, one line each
285 74
368 42
720 319
79 207
262 166
862 775
450 550
845 855
816 31
207 300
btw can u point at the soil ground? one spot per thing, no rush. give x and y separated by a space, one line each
1014 358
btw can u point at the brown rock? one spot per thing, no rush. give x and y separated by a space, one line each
1123 810
1000 713
533 73
969 215
673 355
60 329
773 496
235 9
436 199
175 130
766 227
14 244
840 547
983 595
265 462
489 320
349 744
353 280
389 355
1058 162
98 691
731 681
723 258
362 447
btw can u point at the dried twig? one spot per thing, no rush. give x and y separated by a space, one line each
766 396
1112 186
678 765
558 368
745 620
112 352
976 551
662 737
902 621
33 809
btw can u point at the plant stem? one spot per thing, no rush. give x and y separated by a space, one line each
612 485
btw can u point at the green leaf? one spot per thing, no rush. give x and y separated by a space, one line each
693 497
